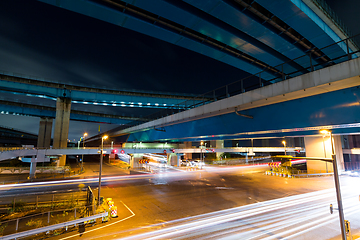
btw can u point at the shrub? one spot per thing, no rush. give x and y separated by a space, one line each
35 224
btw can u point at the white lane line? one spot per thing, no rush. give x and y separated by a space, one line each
76 235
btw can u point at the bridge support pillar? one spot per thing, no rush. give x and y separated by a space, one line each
217 144
62 121
32 168
134 161
45 128
172 159
39 158
188 155
321 147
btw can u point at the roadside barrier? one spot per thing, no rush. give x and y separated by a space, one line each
112 207
114 212
52 227
270 173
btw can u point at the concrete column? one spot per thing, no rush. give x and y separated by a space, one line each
32 168
219 144
45 128
62 120
134 162
39 158
178 160
172 159
188 155
319 146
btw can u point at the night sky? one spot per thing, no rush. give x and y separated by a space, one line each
45 41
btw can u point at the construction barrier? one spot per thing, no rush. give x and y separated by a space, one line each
274 164
279 174
114 212
142 161
111 204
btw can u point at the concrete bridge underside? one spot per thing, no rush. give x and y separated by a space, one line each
326 98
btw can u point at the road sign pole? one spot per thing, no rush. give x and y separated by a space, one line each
338 196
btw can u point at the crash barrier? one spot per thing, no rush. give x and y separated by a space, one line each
279 174
239 161
50 218
112 207
39 169
302 175
54 227
114 212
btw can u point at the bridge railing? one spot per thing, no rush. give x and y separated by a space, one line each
313 60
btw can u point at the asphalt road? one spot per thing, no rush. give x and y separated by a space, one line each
225 202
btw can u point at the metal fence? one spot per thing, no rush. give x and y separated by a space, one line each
23 177
43 219
16 170
51 208
15 203
351 166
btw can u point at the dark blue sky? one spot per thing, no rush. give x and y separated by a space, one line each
55 44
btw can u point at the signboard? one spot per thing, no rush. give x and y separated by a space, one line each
142 161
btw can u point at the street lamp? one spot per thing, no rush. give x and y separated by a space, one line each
337 185
101 160
201 161
283 142
82 156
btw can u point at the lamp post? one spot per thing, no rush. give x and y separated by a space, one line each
283 142
82 156
337 185
101 160
201 161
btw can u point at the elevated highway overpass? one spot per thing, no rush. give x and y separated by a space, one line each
326 98
10 154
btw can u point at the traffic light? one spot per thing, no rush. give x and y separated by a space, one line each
173 150
114 151
331 209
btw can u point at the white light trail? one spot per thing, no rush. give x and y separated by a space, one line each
275 219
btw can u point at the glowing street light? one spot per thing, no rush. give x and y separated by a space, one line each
283 142
101 160
337 185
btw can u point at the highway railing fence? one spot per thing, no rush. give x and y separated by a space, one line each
33 202
24 176
43 219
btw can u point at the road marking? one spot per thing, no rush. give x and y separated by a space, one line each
76 235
